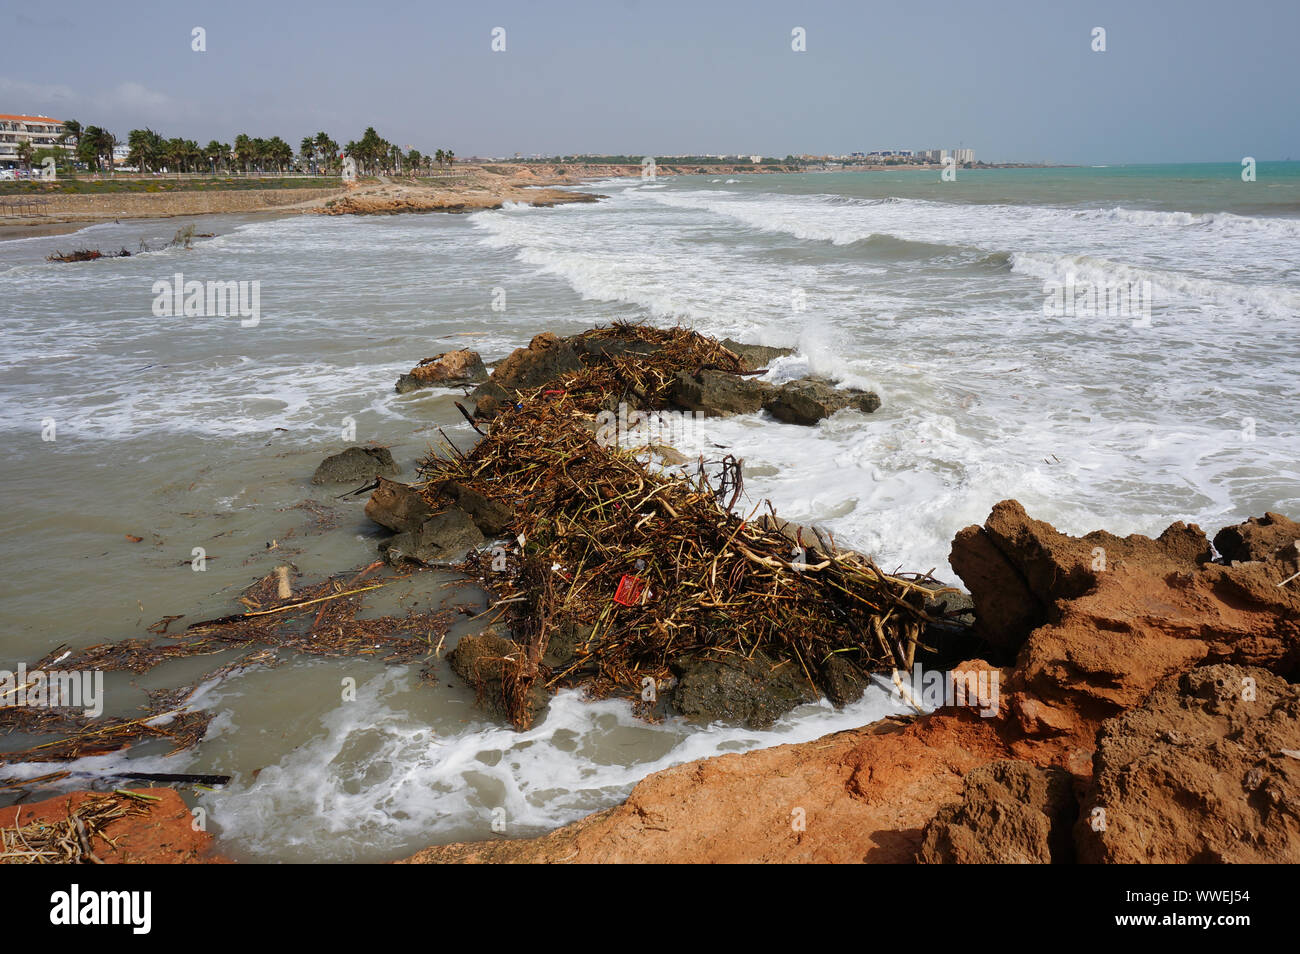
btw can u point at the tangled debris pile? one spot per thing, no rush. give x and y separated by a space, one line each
84 255
619 574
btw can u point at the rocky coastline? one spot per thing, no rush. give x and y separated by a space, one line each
1100 699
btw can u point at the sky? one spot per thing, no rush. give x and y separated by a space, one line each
1182 80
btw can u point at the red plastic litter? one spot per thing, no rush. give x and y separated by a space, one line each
630 590
554 391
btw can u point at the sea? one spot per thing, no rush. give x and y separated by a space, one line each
1115 347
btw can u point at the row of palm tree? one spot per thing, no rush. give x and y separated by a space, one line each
375 155
319 154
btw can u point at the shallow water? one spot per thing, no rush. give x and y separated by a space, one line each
199 432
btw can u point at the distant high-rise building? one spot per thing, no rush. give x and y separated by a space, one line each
963 156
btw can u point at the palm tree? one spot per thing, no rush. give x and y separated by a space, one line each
25 151
71 133
243 152
327 149
279 152
147 148
176 154
107 144
216 153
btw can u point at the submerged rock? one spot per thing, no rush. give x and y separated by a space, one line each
354 465
451 367
1011 812
1207 769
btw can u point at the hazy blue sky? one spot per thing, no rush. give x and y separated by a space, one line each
1189 80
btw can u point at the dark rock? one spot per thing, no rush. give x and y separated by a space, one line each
489 398
397 506
1206 769
564 644
1011 812
599 348
717 393
444 538
807 402
842 681
452 367
354 465
754 692
491 516
756 357
482 660
1270 537
545 359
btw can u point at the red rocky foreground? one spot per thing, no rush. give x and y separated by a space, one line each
147 826
1147 714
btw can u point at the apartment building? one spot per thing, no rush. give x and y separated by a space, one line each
41 131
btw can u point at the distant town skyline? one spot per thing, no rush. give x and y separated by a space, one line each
1185 81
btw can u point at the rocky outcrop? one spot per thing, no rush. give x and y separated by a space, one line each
842 681
857 796
1106 618
1207 769
354 465
756 357
1197 773
443 370
1270 537
807 402
1011 812
718 394
707 390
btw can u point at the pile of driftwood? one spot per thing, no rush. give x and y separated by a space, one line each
647 565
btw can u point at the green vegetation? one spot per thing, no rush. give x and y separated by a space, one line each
92 149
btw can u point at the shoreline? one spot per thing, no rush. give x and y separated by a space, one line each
1082 655
470 189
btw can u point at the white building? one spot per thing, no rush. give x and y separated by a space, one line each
41 131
